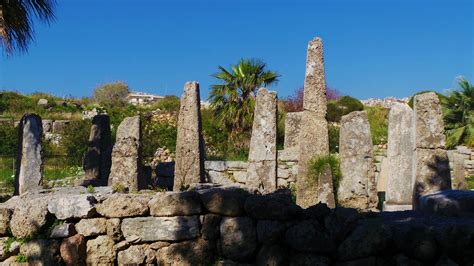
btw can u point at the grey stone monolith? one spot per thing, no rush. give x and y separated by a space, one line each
458 171
313 136
29 164
261 171
292 130
399 190
126 156
189 167
431 164
97 160
357 188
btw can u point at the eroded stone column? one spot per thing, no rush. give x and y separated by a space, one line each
399 190
431 164
314 128
190 155
357 188
29 164
97 160
292 130
126 157
261 172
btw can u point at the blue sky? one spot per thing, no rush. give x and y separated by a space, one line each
373 48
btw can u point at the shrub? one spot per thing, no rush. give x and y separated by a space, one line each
9 139
333 138
341 107
168 104
112 94
156 135
378 120
74 140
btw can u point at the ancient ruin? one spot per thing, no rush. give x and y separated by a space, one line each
97 160
313 137
292 130
399 189
189 167
262 166
431 164
357 189
29 164
125 169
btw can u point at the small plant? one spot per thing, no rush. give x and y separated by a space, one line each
320 164
21 258
292 188
90 189
118 188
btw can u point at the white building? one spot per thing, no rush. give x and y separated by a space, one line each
142 98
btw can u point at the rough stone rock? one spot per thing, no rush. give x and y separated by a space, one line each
29 217
42 102
92 227
100 251
270 232
63 231
340 222
225 201
261 173
59 126
7 251
98 158
149 229
223 178
401 259
72 206
73 250
272 255
370 261
123 205
238 238
292 130
5 217
113 229
189 167
367 239
318 212
309 259
432 173
455 240
416 241
276 206
47 126
428 121
357 188
400 156
459 173
309 236
41 252
210 226
175 204
134 255
125 169
199 252
29 165
458 203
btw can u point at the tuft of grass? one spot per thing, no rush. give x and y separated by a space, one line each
470 182
118 188
320 164
21 258
378 120
90 189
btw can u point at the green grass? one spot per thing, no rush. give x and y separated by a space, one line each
378 119
470 182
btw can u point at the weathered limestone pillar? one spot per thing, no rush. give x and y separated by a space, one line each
398 194
261 171
29 165
125 170
292 130
314 127
190 155
431 164
357 188
459 173
97 160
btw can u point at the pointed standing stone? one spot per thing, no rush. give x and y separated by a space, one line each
431 164
261 172
125 170
292 130
97 160
29 165
357 188
189 167
313 137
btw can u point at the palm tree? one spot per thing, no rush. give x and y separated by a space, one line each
16 23
459 114
233 100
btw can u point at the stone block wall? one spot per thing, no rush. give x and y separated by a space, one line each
219 226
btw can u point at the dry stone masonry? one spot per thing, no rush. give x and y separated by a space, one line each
97 160
431 164
125 170
189 167
29 165
314 127
399 189
357 188
262 160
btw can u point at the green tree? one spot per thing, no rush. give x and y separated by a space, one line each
233 100
459 115
112 94
16 21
